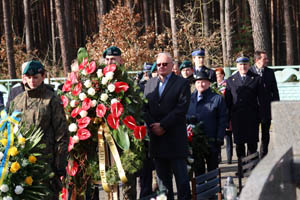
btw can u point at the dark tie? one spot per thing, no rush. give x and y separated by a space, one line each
243 78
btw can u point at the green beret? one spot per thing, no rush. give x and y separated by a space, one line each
112 51
186 64
33 67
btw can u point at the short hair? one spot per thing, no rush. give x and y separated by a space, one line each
257 55
166 54
220 69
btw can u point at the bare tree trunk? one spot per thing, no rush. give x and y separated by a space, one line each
222 24
53 33
155 17
228 33
63 36
9 39
28 27
69 27
273 12
288 33
129 4
206 18
146 14
259 26
101 10
162 16
174 30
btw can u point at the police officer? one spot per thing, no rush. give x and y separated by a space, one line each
209 108
41 107
187 71
112 55
198 59
244 97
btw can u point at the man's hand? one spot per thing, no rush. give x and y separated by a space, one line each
157 129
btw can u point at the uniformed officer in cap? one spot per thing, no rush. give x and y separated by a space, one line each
187 71
245 101
43 108
112 55
209 108
198 59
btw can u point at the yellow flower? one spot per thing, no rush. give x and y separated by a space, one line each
21 140
3 142
13 151
32 159
28 180
15 166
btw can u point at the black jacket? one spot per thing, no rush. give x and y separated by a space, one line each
211 73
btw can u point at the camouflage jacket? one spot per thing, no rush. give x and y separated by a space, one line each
43 108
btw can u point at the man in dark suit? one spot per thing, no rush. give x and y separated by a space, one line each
271 94
198 59
244 97
168 98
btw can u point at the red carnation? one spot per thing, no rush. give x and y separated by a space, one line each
64 194
116 109
113 122
129 121
83 63
71 144
139 132
67 86
83 122
86 104
91 67
121 86
83 134
101 110
77 89
72 168
75 112
109 68
65 100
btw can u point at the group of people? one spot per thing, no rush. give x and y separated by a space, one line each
171 101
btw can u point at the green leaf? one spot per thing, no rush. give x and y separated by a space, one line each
81 54
121 138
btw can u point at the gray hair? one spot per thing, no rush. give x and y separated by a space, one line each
165 54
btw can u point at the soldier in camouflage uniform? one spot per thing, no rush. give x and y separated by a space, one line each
41 107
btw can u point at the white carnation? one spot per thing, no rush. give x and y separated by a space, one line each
88 83
161 197
99 73
94 103
73 103
7 198
1 155
4 188
24 163
104 97
75 139
83 113
83 72
91 91
82 96
109 75
104 81
73 127
75 67
111 87
114 101
189 168
19 189
190 160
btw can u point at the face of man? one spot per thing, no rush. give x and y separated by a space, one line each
243 68
35 80
176 69
263 61
187 72
113 60
202 85
220 77
199 61
164 65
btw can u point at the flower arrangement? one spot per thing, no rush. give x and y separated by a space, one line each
22 172
104 110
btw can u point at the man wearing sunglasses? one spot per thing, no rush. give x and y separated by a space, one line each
198 59
168 98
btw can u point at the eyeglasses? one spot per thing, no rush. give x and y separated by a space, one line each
162 64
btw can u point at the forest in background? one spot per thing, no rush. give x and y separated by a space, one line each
52 31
